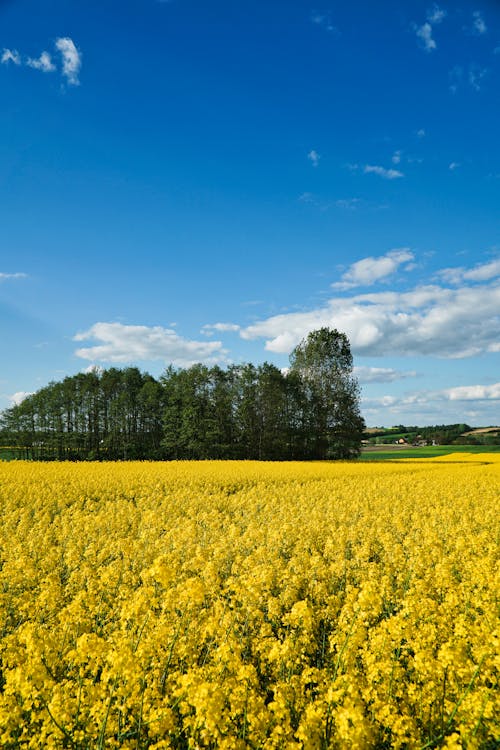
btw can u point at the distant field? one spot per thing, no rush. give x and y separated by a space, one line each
381 453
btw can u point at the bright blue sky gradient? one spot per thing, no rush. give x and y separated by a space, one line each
273 167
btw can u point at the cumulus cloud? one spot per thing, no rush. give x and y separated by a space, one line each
314 157
10 56
431 320
387 174
473 393
129 343
72 59
43 63
381 374
367 271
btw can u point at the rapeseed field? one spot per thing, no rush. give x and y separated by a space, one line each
253 605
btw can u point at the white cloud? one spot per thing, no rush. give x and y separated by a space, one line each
453 165
367 271
16 398
325 21
10 55
473 393
478 25
430 320
424 33
72 59
70 55
128 343
478 395
421 133
349 203
43 63
436 14
481 272
471 402
381 374
396 157
387 174
473 75
208 329
6 276
314 157
476 75
306 197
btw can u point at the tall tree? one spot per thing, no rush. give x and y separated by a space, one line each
323 362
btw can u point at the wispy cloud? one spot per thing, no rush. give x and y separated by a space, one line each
208 330
348 203
43 63
453 165
421 133
71 60
7 276
472 75
10 55
478 396
381 374
368 271
436 14
325 21
396 157
478 25
129 343
387 174
424 33
314 157
479 273
476 75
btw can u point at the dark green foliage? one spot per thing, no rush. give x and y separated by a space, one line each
242 412
323 364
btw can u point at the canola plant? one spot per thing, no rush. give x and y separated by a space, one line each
252 605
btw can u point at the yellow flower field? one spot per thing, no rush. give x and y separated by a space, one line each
250 605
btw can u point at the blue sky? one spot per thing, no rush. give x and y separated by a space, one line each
209 181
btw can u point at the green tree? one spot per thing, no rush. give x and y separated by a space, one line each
334 426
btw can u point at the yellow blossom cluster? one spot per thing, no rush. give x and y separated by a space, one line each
252 605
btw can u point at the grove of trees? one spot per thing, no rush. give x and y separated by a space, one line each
311 411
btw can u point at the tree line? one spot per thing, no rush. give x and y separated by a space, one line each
309 411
